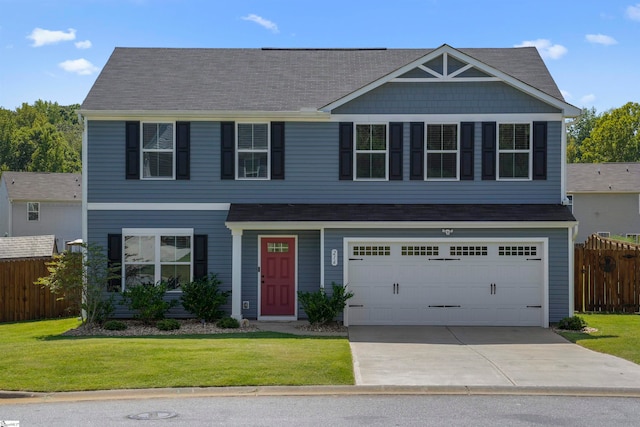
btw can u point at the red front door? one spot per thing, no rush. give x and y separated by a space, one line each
277 276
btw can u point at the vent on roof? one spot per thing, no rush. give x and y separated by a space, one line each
325 48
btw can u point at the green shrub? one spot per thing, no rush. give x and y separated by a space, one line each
114 325
574 323
228 323
320 307
203 298
148 301
168 324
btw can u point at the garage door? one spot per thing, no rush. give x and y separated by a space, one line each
446 283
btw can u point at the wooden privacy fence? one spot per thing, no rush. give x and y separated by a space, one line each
20 299
607 276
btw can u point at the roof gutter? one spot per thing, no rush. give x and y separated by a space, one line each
305 114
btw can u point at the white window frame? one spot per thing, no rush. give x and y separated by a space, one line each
158 150
427 151
515 151
36 211
605 234
157 233
570 202
356 151
634 236
237 150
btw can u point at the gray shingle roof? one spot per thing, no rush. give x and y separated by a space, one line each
603 177
164 79
240 212
27 247
43 186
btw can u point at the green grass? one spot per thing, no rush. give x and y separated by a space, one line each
36 358
617 334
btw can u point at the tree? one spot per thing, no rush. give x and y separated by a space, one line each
615 136
579 130
82 279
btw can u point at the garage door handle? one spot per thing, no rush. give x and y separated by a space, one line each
444 259
444 306
534 306
356 305
356 259
534 259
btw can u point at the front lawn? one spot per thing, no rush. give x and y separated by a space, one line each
36 358
617 334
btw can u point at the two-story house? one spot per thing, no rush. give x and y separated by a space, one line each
41 203
605 198
428 181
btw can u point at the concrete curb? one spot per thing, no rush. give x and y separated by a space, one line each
8 397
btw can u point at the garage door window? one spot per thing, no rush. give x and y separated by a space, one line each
517 251
420 250
468 250
372 250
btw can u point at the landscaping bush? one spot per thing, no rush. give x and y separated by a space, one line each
574 323
228 323
148 301
203 298
320 307
114 325
168 324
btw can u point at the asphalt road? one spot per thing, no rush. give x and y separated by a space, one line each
346 410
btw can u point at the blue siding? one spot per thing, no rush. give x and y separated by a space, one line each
445 98
557 256
311 174
102 223
308 265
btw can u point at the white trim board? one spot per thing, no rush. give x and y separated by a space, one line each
158 206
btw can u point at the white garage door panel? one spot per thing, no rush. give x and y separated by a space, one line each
443 283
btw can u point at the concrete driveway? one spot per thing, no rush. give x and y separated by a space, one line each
481 356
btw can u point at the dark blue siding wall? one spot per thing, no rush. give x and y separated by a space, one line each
557 256
445 98
308 265
311 159
102 223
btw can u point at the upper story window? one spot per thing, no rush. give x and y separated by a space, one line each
252 151
570 202
371 151
153 256
514 151
442 151
33 211
158 150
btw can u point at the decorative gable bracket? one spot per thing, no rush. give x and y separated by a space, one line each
445 67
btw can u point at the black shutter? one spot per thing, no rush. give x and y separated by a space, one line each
200 250
183 143
488 150
539 150
416 151
277 150
132 147
114 257
346 151
466 150
227 147
395 151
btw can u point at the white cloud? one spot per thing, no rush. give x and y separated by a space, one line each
587 99
42 37
633 12
79 66
86 44
546 49
269 25
600 39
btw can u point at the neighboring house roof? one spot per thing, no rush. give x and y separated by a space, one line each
247 212
43 186
279 80
28 247
603 178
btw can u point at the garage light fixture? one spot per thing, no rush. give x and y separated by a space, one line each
447 231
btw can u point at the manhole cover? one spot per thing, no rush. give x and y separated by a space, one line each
153 415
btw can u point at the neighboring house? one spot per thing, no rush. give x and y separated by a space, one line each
605 198
429 181
39 203
27 247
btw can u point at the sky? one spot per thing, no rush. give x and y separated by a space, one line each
54 49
